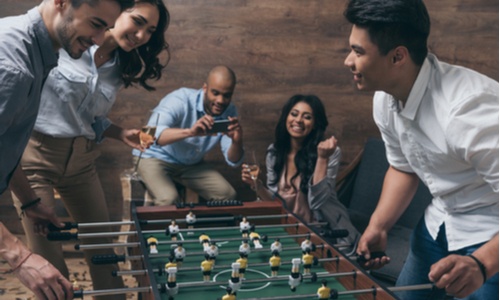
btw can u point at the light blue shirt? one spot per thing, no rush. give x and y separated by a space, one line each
181 109
26 57
77 97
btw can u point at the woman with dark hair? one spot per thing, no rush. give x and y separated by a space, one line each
76 99
302 167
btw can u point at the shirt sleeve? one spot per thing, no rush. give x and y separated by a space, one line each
226 142
271 175
383 116
14 88
169 112
324 190
473 134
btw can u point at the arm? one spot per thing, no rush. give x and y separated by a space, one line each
172 135
461 275
33 270
40 213
129 137
397 192
235 152
326 149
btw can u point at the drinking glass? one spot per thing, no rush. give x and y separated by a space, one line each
254 168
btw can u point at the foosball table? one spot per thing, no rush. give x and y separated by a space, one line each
213 255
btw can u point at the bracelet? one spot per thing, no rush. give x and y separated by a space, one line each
22 262
30 204
481 266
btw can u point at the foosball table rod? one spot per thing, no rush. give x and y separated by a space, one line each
64 236
334 294
72 225
216 267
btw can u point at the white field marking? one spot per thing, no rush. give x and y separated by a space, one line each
243 289
221 243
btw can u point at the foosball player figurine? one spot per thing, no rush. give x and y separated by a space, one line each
276 246
306 244
295 277
212 252
245 247
255 237
324 291
205 241
190 220
206 268
179 254
153 244
243 261
171 263
307 260
234 281
244 227
230 295
172 287
173 230
275 263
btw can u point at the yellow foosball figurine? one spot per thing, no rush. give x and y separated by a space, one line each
243 261
206 268
205 241
275 263
255 238
324 291
153 245
307 260
230 294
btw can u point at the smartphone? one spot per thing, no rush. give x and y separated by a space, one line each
220 126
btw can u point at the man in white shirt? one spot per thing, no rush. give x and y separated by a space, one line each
439 123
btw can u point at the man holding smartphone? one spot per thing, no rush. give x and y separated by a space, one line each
189 124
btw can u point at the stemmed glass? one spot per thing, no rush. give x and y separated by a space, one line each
146 136
254 168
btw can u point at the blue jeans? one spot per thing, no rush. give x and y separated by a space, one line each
424 252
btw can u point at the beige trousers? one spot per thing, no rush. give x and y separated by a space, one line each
159 177
67 165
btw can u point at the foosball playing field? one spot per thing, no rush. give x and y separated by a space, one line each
221 224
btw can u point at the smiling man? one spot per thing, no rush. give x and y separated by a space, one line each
439 123
184 119
27 54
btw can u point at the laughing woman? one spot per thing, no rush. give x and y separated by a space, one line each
76 100
302 167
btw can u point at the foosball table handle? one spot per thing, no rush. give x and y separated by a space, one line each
107 259
78 294
61 236
67 226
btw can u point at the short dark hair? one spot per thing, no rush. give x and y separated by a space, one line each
393 23
124 4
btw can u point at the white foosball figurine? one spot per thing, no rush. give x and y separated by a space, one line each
172 287
244 227
212 251
276 246
173 230
234 281
245 247
190 220
179 254
306 244
295 277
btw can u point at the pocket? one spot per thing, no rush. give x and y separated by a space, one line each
68 85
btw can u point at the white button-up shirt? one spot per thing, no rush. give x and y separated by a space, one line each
447 134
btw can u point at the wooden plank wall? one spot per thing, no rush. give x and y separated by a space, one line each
278 48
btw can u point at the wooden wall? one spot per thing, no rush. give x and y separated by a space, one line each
278 48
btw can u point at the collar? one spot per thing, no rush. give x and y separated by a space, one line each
418 90
43 40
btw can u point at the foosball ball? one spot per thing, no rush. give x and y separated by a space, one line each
236 250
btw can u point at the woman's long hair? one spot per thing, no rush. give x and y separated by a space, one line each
305 159
142 63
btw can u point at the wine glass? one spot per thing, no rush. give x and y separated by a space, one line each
146 136
254 169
